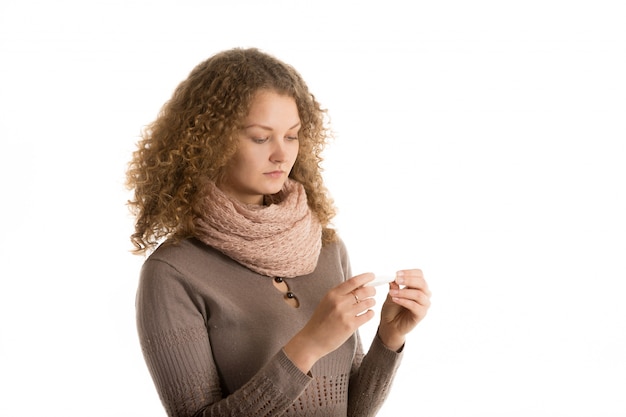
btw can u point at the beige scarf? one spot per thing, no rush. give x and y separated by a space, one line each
282 239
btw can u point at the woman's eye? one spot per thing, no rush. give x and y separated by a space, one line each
259 140
292 137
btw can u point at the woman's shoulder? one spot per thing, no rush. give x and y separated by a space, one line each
177 252
189 266
187 257
171 249
337 246
334 253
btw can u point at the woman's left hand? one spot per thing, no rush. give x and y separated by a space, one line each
406 305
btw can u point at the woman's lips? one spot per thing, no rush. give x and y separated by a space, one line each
275 174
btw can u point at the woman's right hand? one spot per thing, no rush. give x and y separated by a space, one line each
339 314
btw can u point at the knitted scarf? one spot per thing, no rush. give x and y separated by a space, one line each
282 239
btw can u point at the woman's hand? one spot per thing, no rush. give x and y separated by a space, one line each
339 314
406 305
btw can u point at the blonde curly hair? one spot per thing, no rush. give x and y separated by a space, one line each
195 136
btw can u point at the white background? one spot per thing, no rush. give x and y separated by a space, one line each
482 141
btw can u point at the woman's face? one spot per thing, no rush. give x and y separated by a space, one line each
268 147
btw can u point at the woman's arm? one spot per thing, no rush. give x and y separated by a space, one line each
371 378
177 350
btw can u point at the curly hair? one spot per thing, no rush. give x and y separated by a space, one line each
195 136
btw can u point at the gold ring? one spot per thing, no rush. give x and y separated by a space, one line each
356 297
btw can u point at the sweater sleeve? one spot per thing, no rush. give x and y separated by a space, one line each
371 378
177 351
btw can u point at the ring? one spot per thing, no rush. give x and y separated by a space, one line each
356 297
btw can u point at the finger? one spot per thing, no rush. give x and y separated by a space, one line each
362 306
364 292
355 282
413 279
363 318
415 308
410 273
418 296
358 297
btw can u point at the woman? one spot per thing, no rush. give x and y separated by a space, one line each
248 306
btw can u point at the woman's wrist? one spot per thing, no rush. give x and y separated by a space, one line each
300 353
391 339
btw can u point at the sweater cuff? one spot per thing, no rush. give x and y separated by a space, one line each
289 379
378 345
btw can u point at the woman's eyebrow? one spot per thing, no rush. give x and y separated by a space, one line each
267 127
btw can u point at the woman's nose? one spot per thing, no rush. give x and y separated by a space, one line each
278 152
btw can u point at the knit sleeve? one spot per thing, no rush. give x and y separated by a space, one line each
371 378
177 351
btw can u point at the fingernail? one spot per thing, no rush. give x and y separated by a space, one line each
400 280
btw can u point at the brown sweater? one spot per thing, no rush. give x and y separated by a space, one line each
212 333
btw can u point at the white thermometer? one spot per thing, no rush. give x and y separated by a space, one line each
381 280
